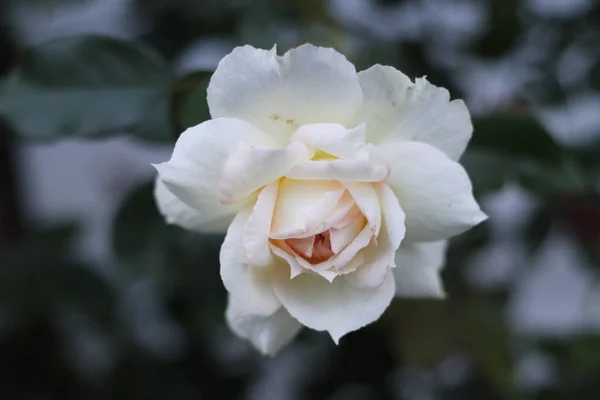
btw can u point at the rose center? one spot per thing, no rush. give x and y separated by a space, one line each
315 249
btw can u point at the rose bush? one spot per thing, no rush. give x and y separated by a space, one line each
336 189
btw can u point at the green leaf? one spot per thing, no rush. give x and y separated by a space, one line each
88 86
40 275
189 99
516 137
185 264
488 171
487 341
140 235
548 180
538 226
426 332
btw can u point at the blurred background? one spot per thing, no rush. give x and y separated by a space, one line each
99 299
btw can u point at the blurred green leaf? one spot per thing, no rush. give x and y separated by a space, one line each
189 99
518 148
426 331
516 136
265 24
140 236
504 28
595 76
42 244
488 171
585 353
487 340
78 288
41 275
538 226
88 86
548 180
185 263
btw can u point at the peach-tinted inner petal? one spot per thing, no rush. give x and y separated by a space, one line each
304 247
325 245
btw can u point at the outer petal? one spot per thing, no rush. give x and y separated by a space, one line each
278 94
434 191
267 334
250 168
195 168
251 285
418 267
335 307
397 110
177 212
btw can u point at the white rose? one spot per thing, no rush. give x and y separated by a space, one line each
337 189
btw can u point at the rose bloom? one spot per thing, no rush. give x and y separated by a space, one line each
337 189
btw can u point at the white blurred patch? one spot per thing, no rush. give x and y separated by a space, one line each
535 370
551 297
402 21
446 22
574 65
203 55
496 264
493 84
84 181
454 22
91 354
150 324
454 370
35 22
560 8
575 123
283 376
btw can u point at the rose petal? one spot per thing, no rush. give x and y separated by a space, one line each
341 209
303 246
395 109
178 213
267 334
278 94
302 207
434 191
367 201
358 170
342 263
417 271
340 238
258 226
251 167
393 215
297 264
334 139
379 257
338 222
250 284
195 168
335 307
